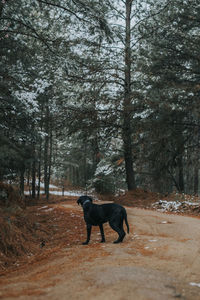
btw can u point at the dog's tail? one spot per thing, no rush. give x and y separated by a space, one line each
126 221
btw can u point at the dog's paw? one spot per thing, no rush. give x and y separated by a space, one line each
117 242
85 243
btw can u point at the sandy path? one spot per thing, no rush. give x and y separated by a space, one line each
159 259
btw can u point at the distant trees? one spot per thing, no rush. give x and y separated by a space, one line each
16 121
100 93
169 62
39 43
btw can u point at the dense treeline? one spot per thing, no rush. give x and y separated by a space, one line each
100 93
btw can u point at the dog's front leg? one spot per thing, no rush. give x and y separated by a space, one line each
89 228
102 233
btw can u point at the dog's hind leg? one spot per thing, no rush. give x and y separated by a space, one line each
102 233
118 227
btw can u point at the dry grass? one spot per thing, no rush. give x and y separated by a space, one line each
138 198
37 232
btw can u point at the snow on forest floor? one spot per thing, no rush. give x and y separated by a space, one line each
177 203
175 206
60 193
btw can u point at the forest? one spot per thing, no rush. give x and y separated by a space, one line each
100 94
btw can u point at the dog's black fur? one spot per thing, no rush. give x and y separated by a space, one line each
97 215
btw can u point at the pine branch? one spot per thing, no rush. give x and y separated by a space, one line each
152 15
36 35
63 8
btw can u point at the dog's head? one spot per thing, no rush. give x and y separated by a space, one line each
81 200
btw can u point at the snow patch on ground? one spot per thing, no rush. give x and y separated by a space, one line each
175 206
60 193
67 193
43 207
195 284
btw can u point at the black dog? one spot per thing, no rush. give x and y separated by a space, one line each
96 215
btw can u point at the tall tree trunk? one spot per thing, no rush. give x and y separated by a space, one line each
96 157
22 171
196 180
127 113
33 173
46 152
28 181
39 169
85 165
196 172
180 174
49 161
1 8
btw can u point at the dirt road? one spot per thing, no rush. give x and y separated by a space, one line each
159 259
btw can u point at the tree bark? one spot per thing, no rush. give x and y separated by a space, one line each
22 171
127 113
49 159
39 169
33 173
196 180
46 152
180 174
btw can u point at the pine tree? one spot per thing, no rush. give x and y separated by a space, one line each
170 64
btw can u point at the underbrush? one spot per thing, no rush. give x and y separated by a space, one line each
38 229
10 196
174 202
137 198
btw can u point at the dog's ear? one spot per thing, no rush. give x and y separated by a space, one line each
79 201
